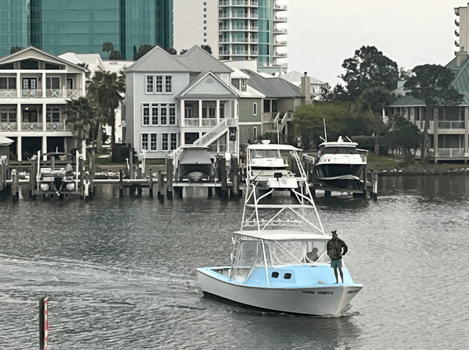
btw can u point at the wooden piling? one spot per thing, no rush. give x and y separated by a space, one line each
224 178
2 182
150 183
15 186
365 178
92 173
131 163
374 184
160 186
82 177
235 176
169 178
32 179
121 184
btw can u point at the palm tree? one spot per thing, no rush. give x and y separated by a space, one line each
108 47
107 91
81 117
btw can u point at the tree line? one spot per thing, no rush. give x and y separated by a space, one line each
355 107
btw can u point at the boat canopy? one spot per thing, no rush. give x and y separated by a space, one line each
195 156
283 235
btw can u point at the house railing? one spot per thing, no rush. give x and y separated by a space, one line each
450 124
7 126
8 93
450 152
215 132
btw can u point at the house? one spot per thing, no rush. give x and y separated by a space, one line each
34 89
280 101
172 101
296 78
448 131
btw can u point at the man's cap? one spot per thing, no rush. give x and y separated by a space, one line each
335 231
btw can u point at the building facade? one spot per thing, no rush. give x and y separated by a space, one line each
83 26
172 101
234 29
34 88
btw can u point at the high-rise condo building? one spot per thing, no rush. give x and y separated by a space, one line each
234 29
58 26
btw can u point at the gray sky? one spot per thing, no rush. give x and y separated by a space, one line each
322 33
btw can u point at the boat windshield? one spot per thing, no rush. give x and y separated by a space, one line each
270 153
278 253
339 150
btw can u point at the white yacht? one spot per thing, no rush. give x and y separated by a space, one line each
340 164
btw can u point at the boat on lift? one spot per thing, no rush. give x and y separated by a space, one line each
57 173
340 164
279 260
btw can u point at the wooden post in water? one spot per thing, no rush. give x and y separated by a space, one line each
15 186
92 173
2 181
131 162
32 178
235 176
160 186
374 184
121 184
82 177
150 183
365 178
224 178
169 178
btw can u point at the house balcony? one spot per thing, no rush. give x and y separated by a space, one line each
38 93
280 7
280 19
447 153
35 126
278 31
442 125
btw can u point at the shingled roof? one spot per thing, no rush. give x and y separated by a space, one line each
274 87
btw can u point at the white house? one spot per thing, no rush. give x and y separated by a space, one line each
34 88
173 101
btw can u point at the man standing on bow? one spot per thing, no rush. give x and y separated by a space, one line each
336 248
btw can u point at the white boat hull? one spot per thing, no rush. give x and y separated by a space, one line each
317 299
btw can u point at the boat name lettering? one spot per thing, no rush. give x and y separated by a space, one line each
308 292
326 293
353 291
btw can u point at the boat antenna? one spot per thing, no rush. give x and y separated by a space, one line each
325 132
348 138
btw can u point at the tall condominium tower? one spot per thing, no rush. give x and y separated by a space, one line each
234 29
57 26
462 32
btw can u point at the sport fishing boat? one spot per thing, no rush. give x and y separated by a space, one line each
340 164
279 260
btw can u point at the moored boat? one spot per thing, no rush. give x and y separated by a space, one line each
340 164
279 260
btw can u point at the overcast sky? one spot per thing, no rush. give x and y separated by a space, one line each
322 33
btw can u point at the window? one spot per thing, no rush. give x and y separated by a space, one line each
172 114
243 82
222 110
53 83
164 142
159 84
154 114
150 140
174 141
274 106
7 83
69 83
267 106
254 133
254 105
153 143
145 142
164 113
149 84
146 114
168 82
53 115
8 115
188 112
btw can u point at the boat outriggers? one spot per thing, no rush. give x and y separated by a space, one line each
279 260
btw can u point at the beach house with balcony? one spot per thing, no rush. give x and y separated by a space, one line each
34 88
177 100
448 131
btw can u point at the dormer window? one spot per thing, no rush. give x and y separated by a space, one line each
243 83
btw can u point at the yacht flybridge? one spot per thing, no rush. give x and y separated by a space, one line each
279 260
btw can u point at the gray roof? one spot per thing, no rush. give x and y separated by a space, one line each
194 60
274 87
199 78
157 60
199 60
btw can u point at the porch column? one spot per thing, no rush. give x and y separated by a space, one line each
218 111
44 84
44 147
18 85
44 119
200 113
19 116
183 112
435 138
19 148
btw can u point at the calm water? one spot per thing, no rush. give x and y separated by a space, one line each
120 273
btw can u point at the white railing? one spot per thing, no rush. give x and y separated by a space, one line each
31 126
450 152
58 126
450 124
31 92
8 126
209 137
8 93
